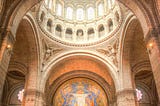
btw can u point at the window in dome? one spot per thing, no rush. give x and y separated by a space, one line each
80 35
90 34
42 16
69 34
69 13
110 25
59 30
90 13
109 4
100 9
49 25
59 9
50 4
117 16
80 14
101 30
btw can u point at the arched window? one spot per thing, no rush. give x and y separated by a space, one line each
90 34
80 36
69 34
59 30
100 9
50 4
59 9
101 30
69 13
117 16
90 13
80 14
42 16
110 25
49 25
109 4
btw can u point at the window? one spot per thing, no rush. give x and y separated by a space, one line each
90 13
50 4
110 25
109 4
101 30
49 25
138 94
69 13
80 14
59 9
100 9
58 31
42 16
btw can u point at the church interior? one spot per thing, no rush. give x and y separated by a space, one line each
79 52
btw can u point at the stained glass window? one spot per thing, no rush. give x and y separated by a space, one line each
20 95
138 94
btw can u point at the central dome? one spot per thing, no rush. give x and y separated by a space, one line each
79 22
80 10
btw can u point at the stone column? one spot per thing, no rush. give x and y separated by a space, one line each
126 97
153 47
5 54
96 33
33 98
74 36
64 33
31 84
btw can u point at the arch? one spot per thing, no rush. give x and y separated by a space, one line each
100 9
108 89
59 9
91 33
69 33
49 25
80 14
90 13
42 16
58 30
125 41
101 30
117 16
69 13
61 58
110 25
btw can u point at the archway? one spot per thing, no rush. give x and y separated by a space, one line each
136 64
23 63
85 69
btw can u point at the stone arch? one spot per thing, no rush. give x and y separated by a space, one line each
109 91
132 48
61 58
25 53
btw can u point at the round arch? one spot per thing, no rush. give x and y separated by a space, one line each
63 57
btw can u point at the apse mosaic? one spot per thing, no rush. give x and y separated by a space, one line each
80 92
